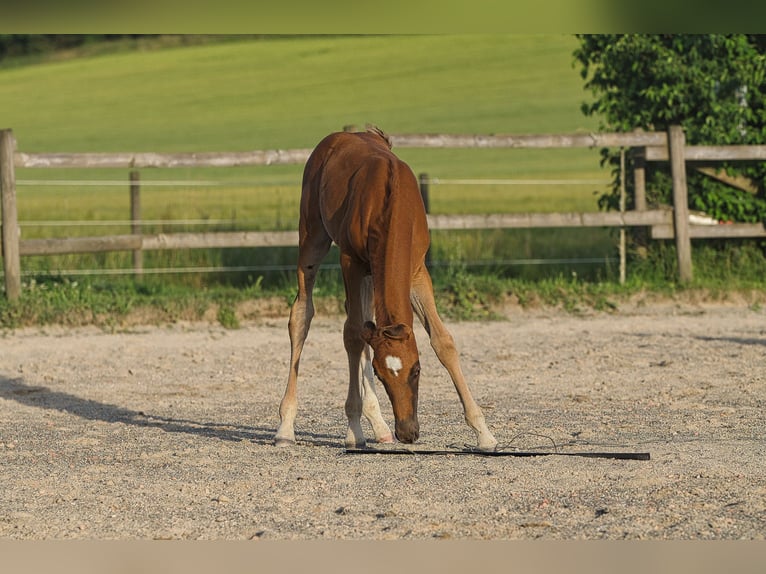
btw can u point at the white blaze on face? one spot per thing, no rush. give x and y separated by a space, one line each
394 365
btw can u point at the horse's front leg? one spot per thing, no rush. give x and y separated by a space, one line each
424 305
361 397
312 249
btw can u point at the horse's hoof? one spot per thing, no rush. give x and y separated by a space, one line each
388 439
283 442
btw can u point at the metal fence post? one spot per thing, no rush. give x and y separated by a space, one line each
10 234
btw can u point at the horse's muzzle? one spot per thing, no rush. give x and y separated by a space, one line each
407 431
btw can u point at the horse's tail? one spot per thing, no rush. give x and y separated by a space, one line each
373 129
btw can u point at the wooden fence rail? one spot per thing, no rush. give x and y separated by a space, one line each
158 242
157 160
648 146
529 141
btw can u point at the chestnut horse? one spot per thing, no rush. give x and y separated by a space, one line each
358 194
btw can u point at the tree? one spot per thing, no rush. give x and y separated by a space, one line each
14 45
713 85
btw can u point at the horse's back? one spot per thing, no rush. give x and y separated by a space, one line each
339 155
355 185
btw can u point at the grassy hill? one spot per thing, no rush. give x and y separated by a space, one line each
291 92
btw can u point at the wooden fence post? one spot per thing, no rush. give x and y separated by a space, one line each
623 238
425 194
10 234
135 218
676 143
640 234
639 179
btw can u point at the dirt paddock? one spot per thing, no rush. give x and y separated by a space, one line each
166 432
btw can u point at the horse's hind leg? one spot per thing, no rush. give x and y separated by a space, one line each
361 387
370 404
422 298
312 251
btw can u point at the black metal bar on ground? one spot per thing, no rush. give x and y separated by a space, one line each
406 451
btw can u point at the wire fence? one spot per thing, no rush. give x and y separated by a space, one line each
244 223
114 184
494 263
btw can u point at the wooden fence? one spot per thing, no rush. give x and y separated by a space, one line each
668 223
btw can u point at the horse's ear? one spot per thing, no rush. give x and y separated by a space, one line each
368 332
400 332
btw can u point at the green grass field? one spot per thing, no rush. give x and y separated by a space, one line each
290 92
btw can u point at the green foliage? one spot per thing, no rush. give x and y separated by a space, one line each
466 296
227 316
713 85
718 265
23 49
727 204
109 303
14 45
529 254
67 302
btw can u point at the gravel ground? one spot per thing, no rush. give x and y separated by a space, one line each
166 432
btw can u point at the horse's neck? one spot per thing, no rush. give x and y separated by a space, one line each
392 302
392 266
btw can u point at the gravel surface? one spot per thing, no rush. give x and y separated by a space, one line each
166 432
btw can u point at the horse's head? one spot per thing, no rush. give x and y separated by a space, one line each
397 364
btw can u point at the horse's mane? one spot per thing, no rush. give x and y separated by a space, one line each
377 131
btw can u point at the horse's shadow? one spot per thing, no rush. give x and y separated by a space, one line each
44 398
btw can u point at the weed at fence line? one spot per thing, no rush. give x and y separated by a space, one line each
529 254
745 259
227 316
64 301
462 295
717 265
